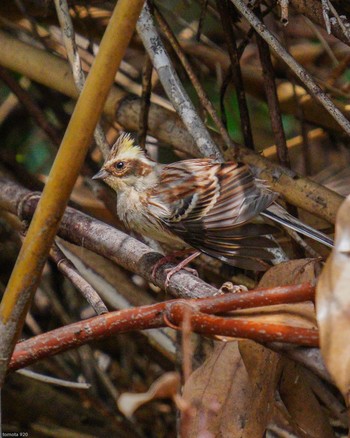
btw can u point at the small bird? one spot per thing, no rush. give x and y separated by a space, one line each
206 204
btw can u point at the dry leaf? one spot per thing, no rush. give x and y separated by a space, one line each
333 304
298 314
306 415
264 369
167 386
291 272
221 392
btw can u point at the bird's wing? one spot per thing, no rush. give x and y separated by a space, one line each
207 204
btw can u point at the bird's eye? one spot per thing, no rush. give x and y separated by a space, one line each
119 165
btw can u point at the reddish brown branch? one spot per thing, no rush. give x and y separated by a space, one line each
159 315
260 332
256 298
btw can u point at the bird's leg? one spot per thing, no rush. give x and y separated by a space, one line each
182 265
173 258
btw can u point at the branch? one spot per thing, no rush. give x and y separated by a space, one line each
173 86
75 64
312 9
66 267
170 313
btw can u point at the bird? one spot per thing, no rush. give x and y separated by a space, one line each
201 202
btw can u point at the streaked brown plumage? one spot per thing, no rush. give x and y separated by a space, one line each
204 203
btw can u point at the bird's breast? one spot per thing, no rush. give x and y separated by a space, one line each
132 209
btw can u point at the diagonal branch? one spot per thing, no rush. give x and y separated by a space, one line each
173 86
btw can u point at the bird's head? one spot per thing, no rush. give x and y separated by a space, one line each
127 166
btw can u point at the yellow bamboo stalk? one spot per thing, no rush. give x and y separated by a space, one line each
295 142
35 63
28 268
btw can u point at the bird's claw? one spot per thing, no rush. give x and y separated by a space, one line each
170 272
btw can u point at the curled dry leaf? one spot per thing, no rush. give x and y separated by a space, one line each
220 393
333 304
305 413
167 386
286 273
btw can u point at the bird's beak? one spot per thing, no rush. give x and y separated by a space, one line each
102 174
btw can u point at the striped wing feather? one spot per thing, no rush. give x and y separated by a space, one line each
208 205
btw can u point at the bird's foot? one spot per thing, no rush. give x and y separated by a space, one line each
182 265
229 287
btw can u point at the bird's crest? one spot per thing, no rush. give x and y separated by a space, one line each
125 147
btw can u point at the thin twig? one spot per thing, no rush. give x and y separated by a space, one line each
53 380
313 10
203 97
323 41
204 7
69 270
236 73
339 20
31 106
272 99
75 63
145 100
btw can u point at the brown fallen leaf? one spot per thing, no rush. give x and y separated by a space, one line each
264 369
167 386
221 394
333 304
286 273
305 412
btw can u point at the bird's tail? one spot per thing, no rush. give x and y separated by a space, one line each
278 214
